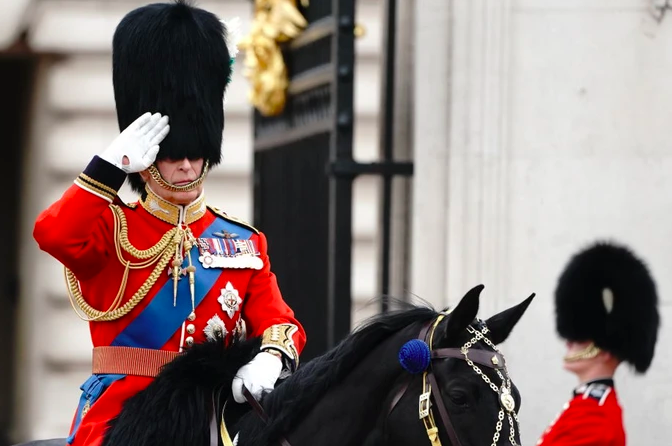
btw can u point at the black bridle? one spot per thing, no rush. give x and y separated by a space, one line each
490 359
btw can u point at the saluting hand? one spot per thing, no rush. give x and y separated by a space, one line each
135 149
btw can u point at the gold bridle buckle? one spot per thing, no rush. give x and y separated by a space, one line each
424 405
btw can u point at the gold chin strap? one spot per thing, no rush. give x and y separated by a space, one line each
425 412
154 172
589 352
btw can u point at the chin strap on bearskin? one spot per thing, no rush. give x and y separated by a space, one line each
156 175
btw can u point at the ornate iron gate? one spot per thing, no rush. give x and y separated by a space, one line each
304 167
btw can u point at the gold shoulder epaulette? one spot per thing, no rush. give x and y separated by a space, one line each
238 221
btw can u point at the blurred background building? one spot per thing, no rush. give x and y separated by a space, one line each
534 126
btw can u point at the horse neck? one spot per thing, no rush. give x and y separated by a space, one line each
353 407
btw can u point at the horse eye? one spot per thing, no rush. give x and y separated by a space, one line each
457 397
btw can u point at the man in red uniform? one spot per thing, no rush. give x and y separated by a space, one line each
606 309
156 276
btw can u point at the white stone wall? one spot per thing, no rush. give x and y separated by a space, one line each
74 119
540 126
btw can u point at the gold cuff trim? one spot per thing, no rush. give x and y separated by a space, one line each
171 213
95 187
279 337
97 184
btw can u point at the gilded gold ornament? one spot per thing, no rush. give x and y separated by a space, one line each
275 22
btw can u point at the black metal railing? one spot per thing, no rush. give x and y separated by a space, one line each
304 172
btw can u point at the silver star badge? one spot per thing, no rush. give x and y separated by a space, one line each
215 329
230 300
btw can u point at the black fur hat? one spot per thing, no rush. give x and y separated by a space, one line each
606 295
172 58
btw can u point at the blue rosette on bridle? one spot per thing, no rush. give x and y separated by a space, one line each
414 356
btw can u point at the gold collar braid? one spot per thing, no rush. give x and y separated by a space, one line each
154 172
172 213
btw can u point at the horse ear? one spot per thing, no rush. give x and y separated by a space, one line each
464 313
501 324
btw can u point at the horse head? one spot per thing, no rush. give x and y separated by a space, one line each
456 389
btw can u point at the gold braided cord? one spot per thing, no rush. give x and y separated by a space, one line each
169 238
161 254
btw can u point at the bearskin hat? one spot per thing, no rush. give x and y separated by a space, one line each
172 58
606 295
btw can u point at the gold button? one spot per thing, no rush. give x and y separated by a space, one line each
191 329
190 341
192 316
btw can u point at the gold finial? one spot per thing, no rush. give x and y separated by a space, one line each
275 21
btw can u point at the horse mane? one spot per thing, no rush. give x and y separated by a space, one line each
178 403
291 400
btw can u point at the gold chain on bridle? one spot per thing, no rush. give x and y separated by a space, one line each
504 394
169 247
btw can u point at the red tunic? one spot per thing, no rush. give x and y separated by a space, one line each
592 418
78 230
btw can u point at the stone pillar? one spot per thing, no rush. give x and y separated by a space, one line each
402 138
460 182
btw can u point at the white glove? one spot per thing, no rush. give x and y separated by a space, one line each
258 375
135 149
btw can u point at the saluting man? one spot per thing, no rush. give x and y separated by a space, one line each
156 276
606 309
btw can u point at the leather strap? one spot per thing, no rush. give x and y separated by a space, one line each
425 329
485 358
260 411
130 360
443 413
397 396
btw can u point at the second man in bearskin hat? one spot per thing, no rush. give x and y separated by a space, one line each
606 309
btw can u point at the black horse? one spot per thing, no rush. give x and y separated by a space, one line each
375 388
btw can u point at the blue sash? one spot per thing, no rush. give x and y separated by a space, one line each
92 389
159 320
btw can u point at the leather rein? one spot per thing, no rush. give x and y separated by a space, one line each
491 359
223 431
